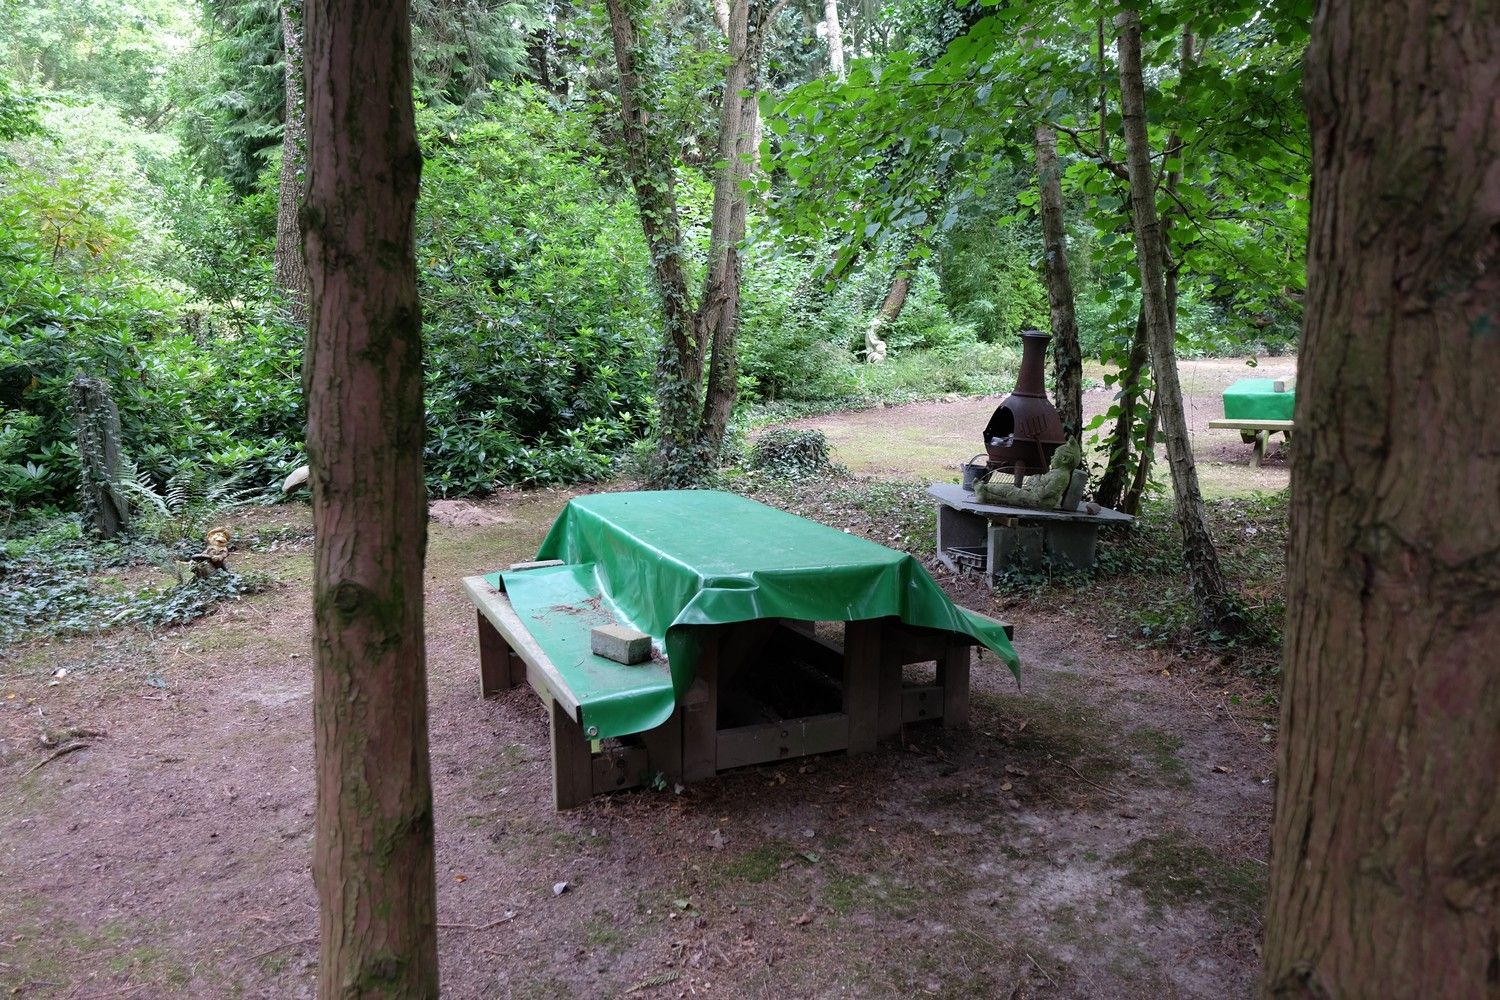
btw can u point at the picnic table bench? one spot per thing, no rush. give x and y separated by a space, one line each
1258 408
730 591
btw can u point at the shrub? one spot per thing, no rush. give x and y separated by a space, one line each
791 453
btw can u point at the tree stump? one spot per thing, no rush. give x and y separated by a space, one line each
98 421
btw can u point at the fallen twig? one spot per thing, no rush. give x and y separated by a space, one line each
70 748
1102 788
1042 970
311 939
479 927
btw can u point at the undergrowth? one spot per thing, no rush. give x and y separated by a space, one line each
55 582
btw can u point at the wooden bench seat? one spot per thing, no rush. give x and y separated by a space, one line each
1255 432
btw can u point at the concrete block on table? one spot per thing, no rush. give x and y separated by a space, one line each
621 644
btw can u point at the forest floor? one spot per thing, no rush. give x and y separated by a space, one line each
1100 831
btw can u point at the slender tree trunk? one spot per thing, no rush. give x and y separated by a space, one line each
1204 575
887 313
373 848
1118 449
1385 874
719 308
1130 503
291 268
835 33
1103 95
1067 359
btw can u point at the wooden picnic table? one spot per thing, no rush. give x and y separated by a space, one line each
1258 408
730 591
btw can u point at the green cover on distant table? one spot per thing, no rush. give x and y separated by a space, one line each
661 562
1257 399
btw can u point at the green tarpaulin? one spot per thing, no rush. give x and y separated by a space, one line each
1257 399
663 561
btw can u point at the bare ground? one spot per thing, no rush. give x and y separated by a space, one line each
1099 832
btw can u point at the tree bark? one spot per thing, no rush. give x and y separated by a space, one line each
1118 448
291 267
691 422
373 848
1130 503
835 34
1205 578
887 313
1385 875
1067 359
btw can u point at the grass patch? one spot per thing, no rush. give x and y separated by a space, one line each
759 864
1175 869
1159 749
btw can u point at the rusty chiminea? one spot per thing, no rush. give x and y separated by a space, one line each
1025 429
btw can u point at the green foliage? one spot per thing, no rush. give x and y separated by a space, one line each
93 48
791 453
534 286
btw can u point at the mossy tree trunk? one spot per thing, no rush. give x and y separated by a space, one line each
97 421
1206 579
1385 875
1119 446
699 338
1066 357
291 268
373 847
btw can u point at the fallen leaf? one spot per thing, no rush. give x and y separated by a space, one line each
558 888
803 920
716 841
1220 769
1006 787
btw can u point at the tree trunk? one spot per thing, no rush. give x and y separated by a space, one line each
1066 358
1118 449
291 267
719 309
1385 875
97 424
835 33
888 312
373 849
1210 591
691 423
1130 503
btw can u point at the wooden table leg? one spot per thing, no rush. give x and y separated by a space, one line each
572 763
497 662
700 713
890 692
664 748
953 676
862 661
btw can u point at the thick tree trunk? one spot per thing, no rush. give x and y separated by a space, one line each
1204 575
291 267
373 849
1385 876
1118 449
1067 360
835 34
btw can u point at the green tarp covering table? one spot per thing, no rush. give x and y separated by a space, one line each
1257 399
700 572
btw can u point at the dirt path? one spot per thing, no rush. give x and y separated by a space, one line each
929 440
1099 832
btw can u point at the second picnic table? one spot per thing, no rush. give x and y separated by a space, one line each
729 590
1258 408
